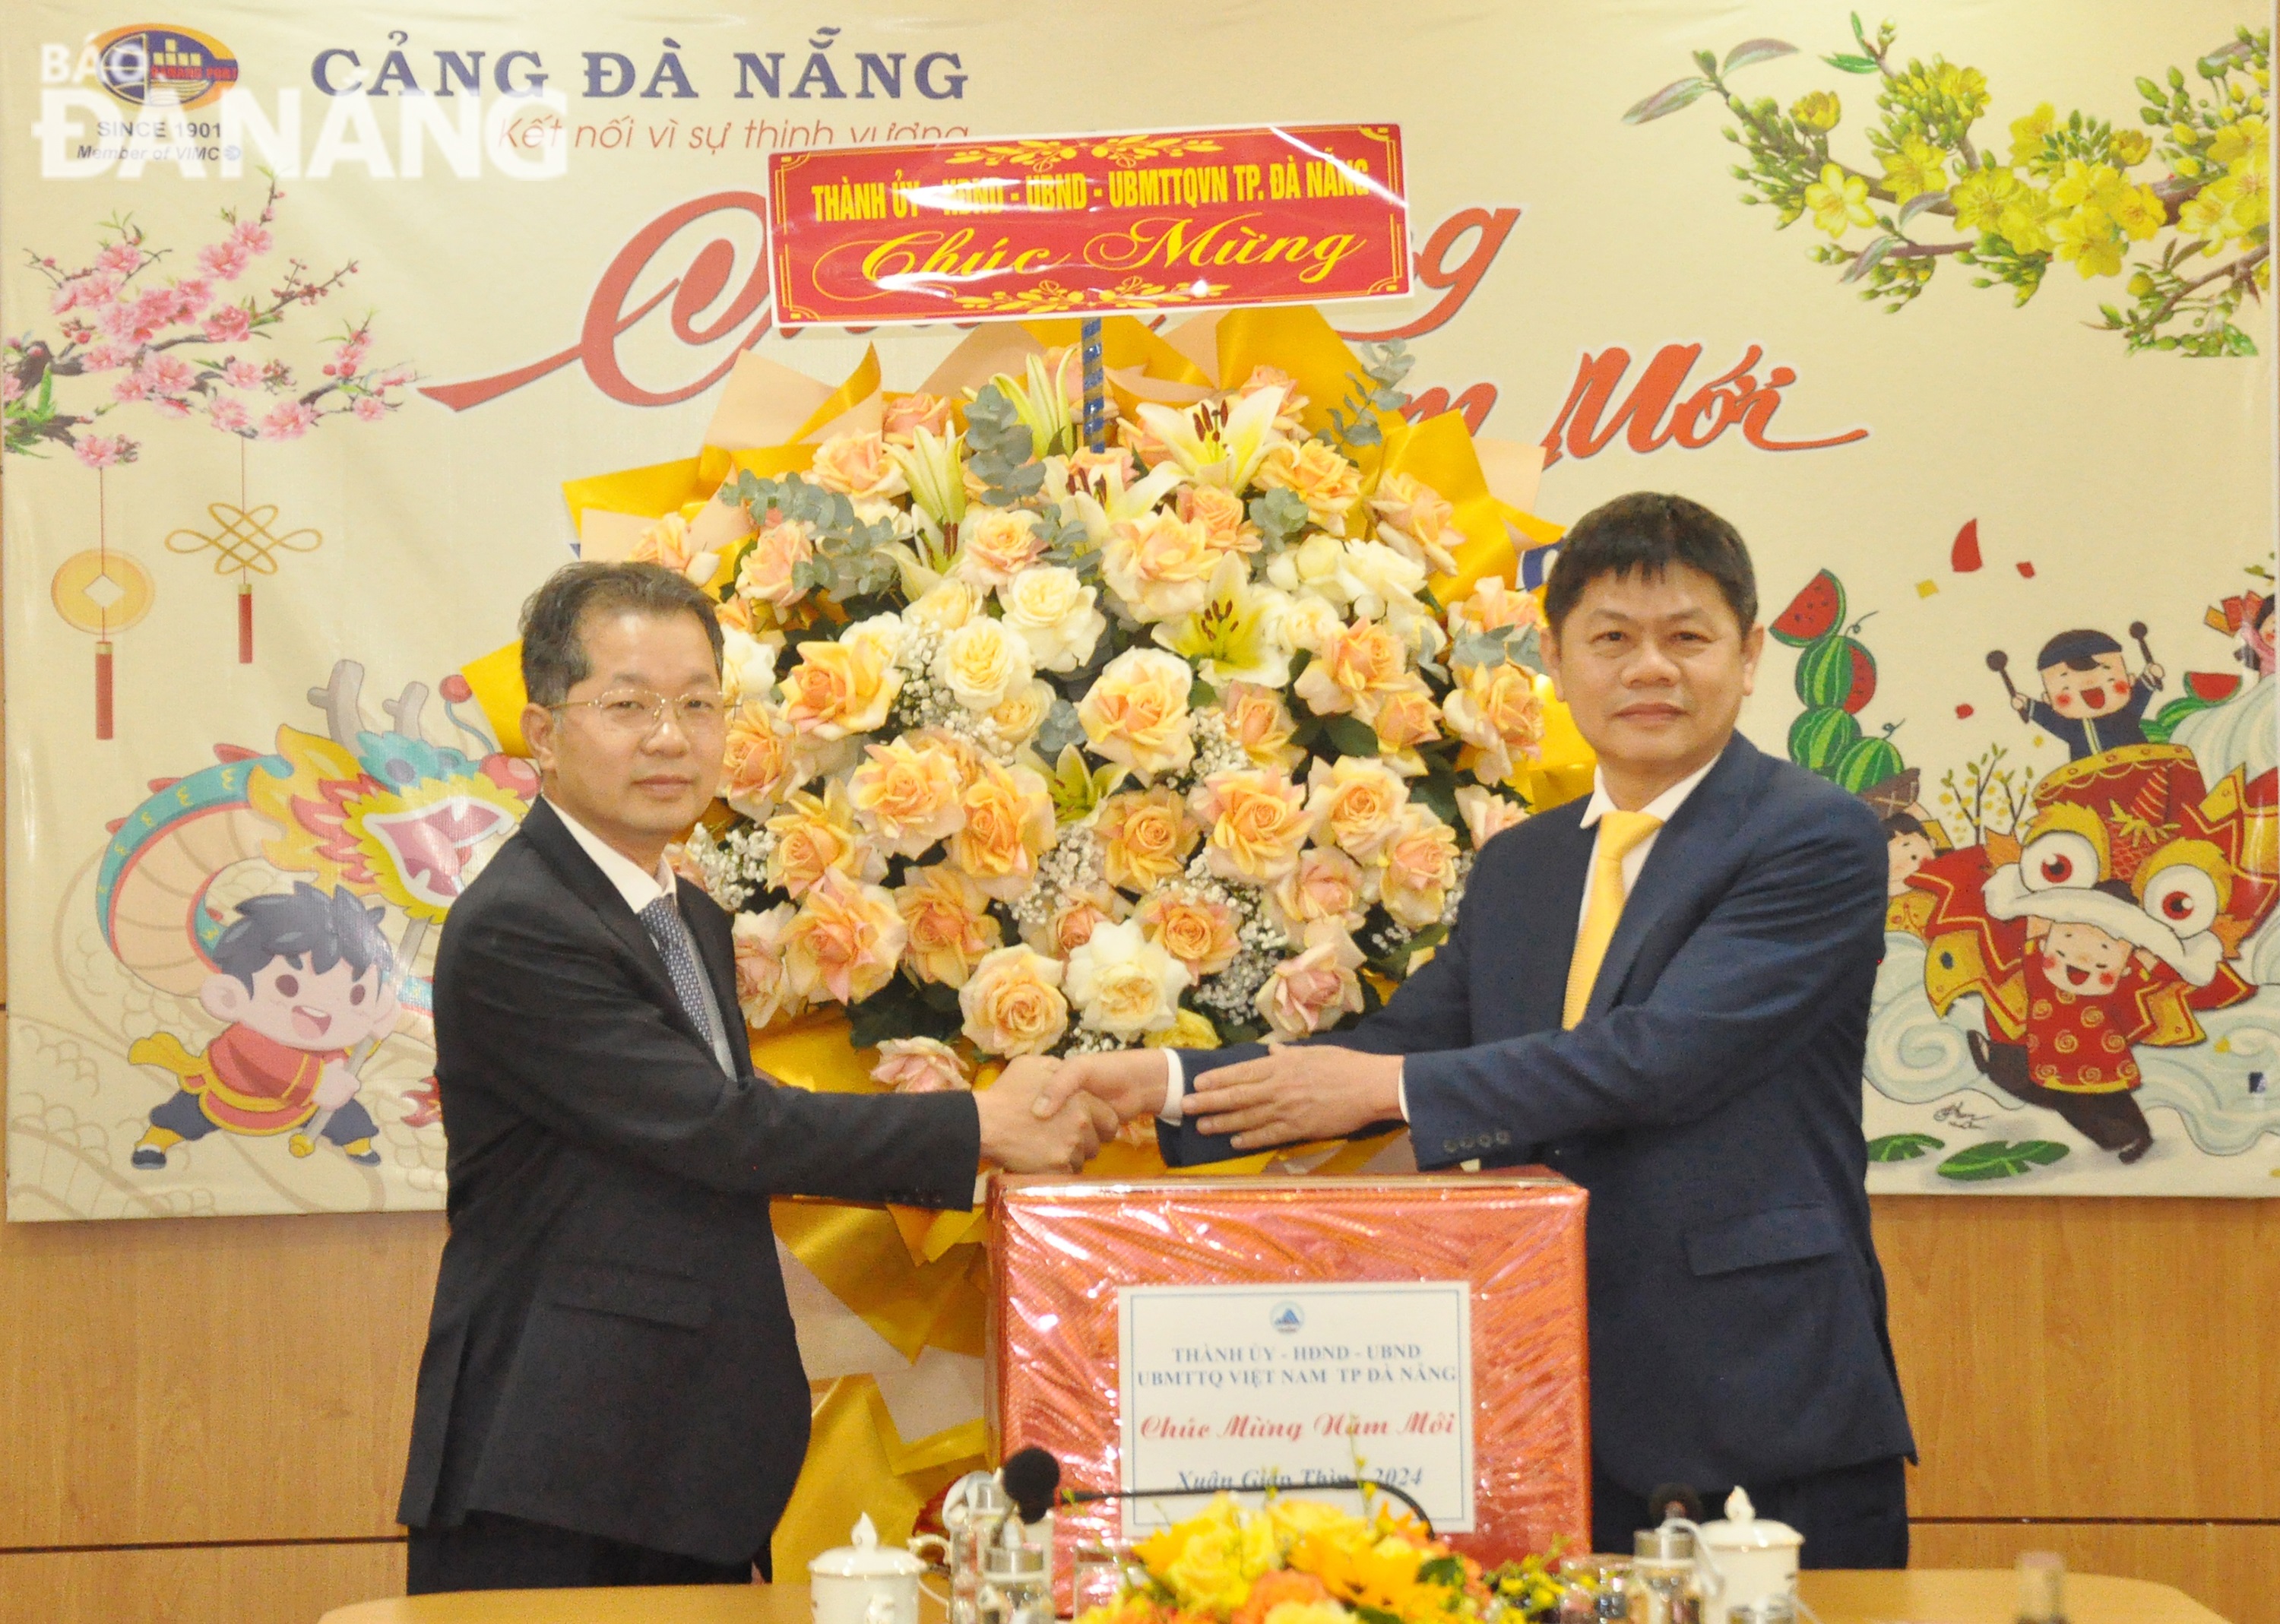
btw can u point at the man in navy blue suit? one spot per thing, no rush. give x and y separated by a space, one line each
1663 994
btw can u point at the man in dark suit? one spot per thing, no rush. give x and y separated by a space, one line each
1663 994
611 1393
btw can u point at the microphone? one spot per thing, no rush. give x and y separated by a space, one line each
1030 1476
1032 1479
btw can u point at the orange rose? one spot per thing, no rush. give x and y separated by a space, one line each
997 543
1136 713
668 544
1227 527
1159 564
1075 916
1416 520
1013 1002
844 941
1496 709
1257 720
842 687
1419 867
919 1065
756 759
1327 884
1287 422
1361 659
1309 992
815 837
1404 718
1325 482
906 414
1009 826
1257 821
908 795
1146 837
857 466
765 573
1487 814
1494 606
1353 802
1198 932
763 987
950 924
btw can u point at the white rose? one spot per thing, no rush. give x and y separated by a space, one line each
947 605
748 665
884 634
1054 613
1383 577
1124 983
1309 621
981 663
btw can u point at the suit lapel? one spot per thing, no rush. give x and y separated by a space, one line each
1555 884
543 828
1703 823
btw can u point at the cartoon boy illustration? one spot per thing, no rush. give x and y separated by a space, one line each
1907 848
301 980
2089 700
2088 1004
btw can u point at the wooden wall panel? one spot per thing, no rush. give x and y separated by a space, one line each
2229 1568
258 1584
2086 1359
208 1379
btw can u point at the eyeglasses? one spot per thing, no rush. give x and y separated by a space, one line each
636 712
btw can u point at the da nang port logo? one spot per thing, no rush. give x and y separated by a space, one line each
150 59
1286 1317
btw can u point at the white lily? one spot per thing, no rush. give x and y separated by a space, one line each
1215 444
1041 401
1109 501
935 468
1237 637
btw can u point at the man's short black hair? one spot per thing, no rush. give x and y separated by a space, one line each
322 927
1649 531
553 646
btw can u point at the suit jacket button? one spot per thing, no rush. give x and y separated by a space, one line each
1450 1147
1502 1138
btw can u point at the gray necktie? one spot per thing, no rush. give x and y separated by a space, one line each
665 928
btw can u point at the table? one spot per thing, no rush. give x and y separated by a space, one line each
1918 1596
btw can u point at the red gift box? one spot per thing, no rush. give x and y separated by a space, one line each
1063 1253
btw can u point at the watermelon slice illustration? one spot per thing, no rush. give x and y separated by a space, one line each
1813 613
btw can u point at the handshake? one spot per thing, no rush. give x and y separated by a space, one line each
1046 1115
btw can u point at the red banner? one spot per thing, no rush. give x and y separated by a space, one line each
1091 225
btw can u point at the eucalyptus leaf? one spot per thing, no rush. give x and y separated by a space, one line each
1677 94
1749 53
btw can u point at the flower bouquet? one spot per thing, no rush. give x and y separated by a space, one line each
1303 1562
1040 749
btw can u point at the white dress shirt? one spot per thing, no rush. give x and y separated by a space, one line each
1664 807
640 888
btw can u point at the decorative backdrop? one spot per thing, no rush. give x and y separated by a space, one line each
1963 319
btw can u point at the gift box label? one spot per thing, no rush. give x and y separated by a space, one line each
1242 1387
1114 1304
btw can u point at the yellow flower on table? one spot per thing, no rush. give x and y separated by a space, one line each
1918 167
1838 201
1209 1561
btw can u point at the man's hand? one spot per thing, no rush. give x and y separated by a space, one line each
1295 1094
1131 1082
1021 1139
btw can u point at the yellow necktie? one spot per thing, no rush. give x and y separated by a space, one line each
1618 833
